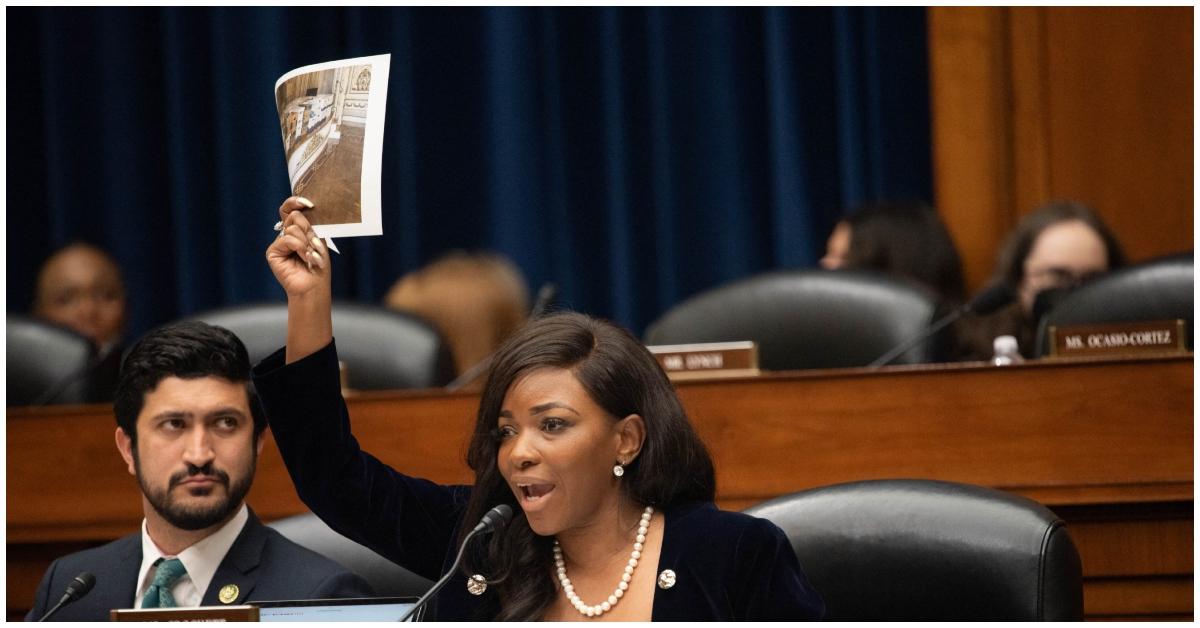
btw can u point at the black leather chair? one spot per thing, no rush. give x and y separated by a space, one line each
47 364
387 578
383 349
806 319
1161 289
925 550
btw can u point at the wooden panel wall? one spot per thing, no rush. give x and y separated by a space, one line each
1105 443
1032 104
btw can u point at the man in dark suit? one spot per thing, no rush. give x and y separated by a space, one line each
189 428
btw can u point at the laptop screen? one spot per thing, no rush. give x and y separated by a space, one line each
356 609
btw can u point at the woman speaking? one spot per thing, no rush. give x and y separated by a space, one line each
578 430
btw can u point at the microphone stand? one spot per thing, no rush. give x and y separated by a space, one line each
995 296
76 589
470 374
912 342
61 603
494 519
446 578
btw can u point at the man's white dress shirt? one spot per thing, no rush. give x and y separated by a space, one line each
200 560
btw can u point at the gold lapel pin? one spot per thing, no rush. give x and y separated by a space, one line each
228 594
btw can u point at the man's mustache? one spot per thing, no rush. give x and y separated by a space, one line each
192 470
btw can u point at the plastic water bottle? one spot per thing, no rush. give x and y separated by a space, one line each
1004 351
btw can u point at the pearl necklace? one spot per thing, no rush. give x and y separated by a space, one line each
622 586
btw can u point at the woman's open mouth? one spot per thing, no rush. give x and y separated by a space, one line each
533 493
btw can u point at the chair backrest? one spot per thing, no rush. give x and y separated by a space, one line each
387 578
1160 289
47 364
923 550
382 349
806 319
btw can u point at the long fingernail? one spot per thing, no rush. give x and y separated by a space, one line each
315 254
305 202
279 226
317 242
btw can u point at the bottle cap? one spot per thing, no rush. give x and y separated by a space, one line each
1004 345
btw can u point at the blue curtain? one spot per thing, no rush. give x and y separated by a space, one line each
634 156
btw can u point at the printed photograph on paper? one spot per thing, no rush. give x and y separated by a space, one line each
331 119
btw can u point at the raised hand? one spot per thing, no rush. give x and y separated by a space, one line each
297 257
300 262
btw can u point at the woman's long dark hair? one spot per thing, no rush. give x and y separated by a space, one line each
910 240
623 378
1010 263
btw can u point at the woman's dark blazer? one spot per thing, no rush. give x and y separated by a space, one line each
728 566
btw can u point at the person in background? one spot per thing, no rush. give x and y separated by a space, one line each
476 300
189 428
1056 247
80 287
906 239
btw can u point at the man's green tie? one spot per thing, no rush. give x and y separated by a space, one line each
165 577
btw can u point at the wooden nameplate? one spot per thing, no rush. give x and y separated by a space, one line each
194 613
1135 337
709 360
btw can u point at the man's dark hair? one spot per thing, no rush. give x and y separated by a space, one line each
187 350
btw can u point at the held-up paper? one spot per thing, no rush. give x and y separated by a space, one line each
331 118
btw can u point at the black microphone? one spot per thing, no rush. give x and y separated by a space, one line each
494 520
545 297
987 301
990 299
1048 299
76 589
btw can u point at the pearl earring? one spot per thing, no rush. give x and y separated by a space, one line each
618 470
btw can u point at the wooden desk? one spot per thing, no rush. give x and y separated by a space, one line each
1106 443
